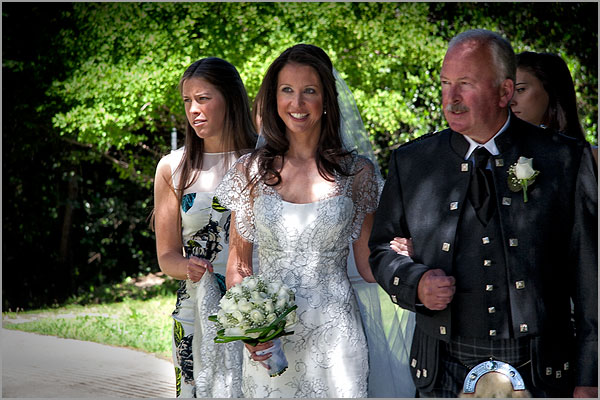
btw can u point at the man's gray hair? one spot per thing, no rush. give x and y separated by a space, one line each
502 52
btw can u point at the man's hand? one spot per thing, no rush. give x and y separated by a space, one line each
584 392
436 289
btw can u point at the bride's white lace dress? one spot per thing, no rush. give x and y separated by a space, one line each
306 246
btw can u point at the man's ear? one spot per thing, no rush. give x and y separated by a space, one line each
506 89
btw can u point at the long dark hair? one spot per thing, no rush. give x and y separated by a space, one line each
329 149
555 76
239 133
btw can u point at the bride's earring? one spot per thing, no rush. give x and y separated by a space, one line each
324 111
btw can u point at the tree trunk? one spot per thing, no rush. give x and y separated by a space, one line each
63 254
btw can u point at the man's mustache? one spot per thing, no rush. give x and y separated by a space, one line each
456 107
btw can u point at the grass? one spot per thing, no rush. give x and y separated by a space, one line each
140 319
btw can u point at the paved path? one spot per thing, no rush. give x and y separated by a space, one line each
46 366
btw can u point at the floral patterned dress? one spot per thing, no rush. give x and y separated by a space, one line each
203 368
306 246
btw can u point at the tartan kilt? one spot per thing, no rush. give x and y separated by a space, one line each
460 355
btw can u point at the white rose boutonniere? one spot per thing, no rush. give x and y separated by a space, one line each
521 175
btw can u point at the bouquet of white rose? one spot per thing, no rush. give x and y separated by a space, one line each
256 311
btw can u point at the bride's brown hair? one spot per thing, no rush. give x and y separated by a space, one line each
330 148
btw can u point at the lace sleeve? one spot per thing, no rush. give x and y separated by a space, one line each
233 194
367 185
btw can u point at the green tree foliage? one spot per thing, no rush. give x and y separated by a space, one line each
124 88
131 56
90 99
70 221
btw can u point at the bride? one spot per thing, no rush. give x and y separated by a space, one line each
303 198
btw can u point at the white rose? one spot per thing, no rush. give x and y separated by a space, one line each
274 287
269 306
282 303
253 335
283 291
271 317
227 305
257 316
238 315
250 282
524 168
236 331
237 289
244 305
258 295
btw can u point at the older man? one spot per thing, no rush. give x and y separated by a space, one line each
499 251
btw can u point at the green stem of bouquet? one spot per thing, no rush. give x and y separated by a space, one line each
284 314
227 339
270 332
